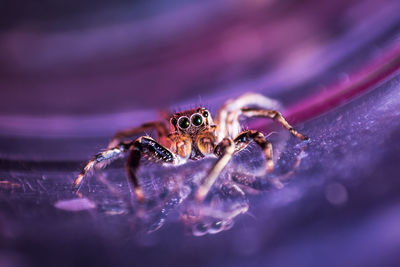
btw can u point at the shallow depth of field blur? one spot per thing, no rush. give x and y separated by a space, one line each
71 74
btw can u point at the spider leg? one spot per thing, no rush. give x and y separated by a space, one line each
261 183
244 138
159 220
224 150
101 160
275 115
103 179
227 202
227 117
283 177
145 145
158 126
252 181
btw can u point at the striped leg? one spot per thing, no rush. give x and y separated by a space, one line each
263 183
227 117
101 160
244 138
158 126
160 218
145 145
275 115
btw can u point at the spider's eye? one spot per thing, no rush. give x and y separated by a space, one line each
173 121
205 114
183 122
197 120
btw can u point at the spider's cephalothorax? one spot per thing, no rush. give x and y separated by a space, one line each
192 135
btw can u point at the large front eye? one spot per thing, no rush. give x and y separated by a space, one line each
183 122
197 119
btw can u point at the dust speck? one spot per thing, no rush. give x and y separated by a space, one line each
76 204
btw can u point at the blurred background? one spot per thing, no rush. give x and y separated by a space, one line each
71 74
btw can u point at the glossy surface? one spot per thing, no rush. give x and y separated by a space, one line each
342 206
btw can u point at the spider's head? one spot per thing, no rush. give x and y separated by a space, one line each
192 121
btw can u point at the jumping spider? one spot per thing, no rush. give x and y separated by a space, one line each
194 135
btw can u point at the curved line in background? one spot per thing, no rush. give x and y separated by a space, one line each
377 71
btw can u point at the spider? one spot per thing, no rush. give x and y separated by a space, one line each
194 135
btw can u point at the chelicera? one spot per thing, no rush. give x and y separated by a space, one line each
193 135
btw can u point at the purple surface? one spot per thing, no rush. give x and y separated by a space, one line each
73 78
